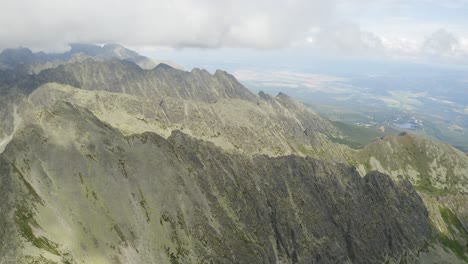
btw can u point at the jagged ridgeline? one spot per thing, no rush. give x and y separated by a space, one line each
107 160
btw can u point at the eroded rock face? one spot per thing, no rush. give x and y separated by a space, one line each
77 190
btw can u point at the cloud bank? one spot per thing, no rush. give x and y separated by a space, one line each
348 39
340 27
177 23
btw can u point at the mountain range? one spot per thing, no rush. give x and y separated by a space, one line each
110 157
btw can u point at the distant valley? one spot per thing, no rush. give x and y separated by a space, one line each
432 104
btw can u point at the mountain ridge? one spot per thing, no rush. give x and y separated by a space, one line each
111 118
26 61
228 198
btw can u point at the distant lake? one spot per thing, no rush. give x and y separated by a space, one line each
405 125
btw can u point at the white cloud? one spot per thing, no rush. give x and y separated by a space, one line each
442 43
464 45
349 27
177 23
401 45
447 3
347 38
439 47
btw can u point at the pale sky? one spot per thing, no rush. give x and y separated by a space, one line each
411 30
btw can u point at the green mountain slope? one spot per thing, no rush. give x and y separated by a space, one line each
432 166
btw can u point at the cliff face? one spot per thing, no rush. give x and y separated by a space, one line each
78 190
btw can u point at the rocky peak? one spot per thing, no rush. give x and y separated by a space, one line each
13 57
163 66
